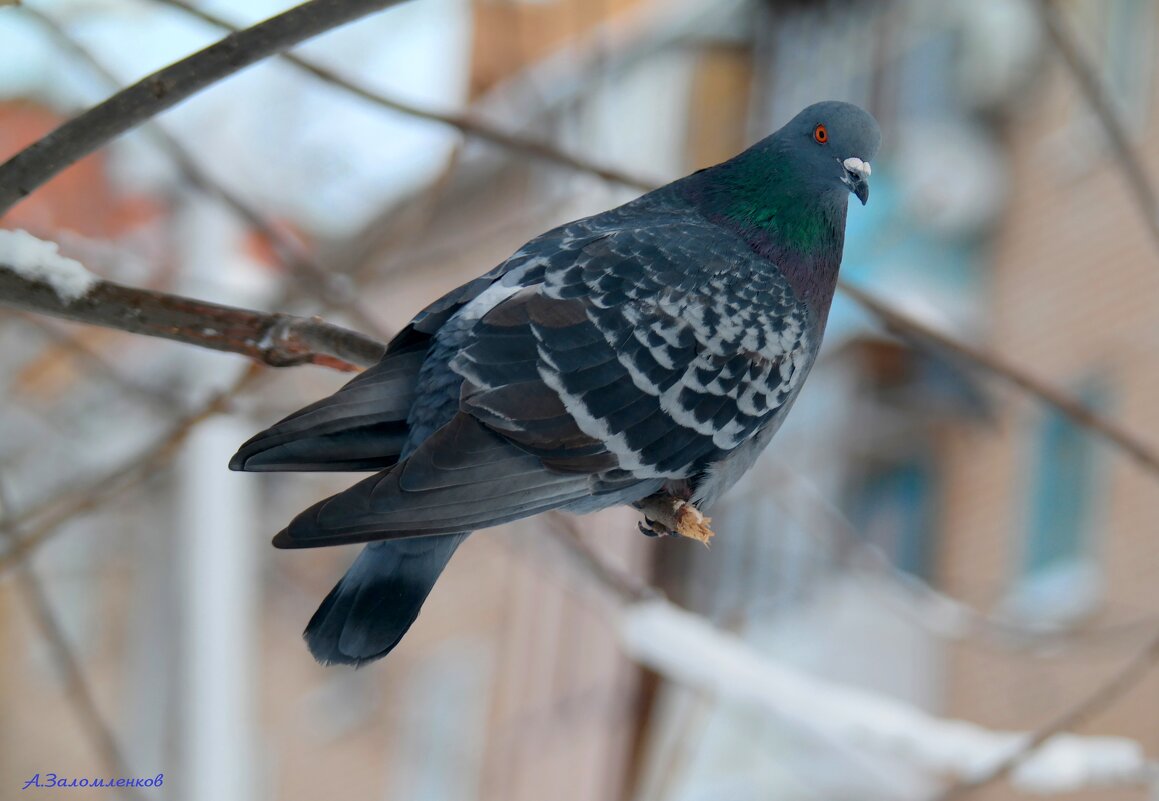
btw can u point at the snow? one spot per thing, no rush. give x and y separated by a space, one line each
688 649
1068 762
39 260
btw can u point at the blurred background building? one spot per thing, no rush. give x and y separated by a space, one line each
915 529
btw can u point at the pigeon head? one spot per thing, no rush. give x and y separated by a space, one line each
790 191
788 194
831 144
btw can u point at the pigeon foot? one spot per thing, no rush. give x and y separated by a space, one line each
668 516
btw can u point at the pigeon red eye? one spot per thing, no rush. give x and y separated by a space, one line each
820 134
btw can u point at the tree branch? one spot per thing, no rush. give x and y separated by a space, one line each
78 137
940 344
1131 164
689 650
462 121
942 615
76 684
276 340
291 252
164 400
42 522
1122 680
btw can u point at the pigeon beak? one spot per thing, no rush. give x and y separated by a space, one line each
856 177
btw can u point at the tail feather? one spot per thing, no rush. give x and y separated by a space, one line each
367 613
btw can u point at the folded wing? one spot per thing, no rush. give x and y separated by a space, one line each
618 370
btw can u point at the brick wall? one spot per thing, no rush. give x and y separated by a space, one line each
1074 293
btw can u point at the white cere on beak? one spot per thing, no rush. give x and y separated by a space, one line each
858 166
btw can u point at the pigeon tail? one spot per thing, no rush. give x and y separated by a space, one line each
367 613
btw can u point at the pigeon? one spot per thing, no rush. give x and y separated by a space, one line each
643 355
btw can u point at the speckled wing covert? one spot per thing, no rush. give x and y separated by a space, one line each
592 363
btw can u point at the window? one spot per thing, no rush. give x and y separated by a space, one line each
1059 580
892 507
1060 495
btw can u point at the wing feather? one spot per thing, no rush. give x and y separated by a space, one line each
360 427
463 477
634 354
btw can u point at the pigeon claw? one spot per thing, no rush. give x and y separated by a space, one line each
650 528
665 515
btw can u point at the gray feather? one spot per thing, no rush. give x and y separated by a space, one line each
378 599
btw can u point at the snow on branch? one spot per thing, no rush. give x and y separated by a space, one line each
688 649
40 261
303 267
35 277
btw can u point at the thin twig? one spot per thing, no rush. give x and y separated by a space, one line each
626 587
1126 155
276 340
161 399
41 523
462 121
289 250
941 614
78 137
629 594
929 338
1103 696
76 685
